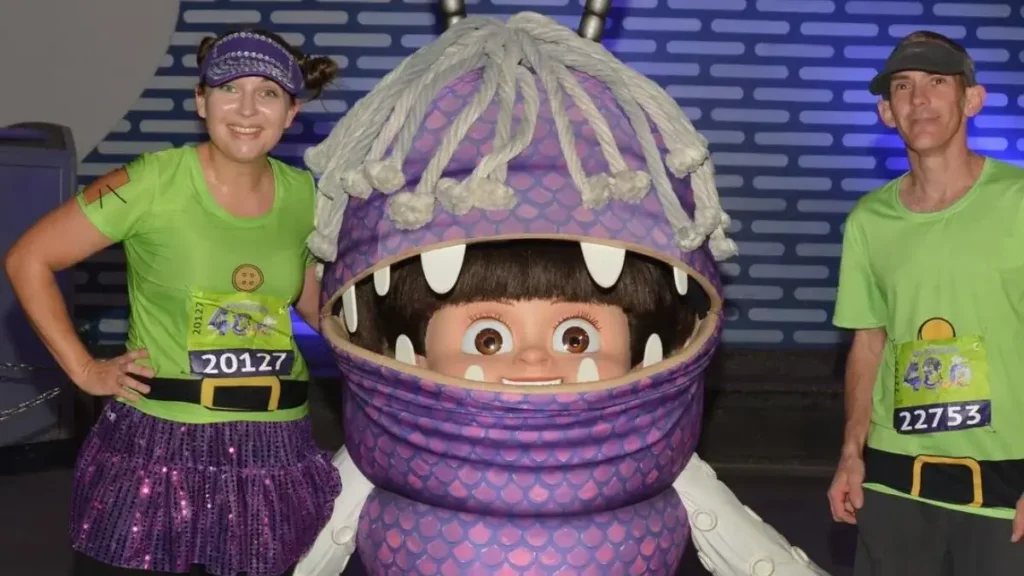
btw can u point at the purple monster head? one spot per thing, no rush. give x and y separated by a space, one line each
519 163
505 133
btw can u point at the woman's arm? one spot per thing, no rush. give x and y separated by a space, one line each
58 241
308 304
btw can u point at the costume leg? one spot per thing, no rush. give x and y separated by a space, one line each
730 538
898 536
981 545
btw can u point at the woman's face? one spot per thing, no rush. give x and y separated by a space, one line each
528 343
246 117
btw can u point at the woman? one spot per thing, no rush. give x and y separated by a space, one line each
205 463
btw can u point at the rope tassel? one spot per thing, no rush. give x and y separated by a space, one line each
512 58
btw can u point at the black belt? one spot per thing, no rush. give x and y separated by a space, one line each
251 394
963 481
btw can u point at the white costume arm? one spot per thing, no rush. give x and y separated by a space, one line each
337 540
731 540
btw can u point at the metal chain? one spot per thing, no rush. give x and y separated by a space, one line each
5 366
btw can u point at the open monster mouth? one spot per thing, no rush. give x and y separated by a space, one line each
586 301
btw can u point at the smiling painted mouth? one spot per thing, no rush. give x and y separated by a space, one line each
532 382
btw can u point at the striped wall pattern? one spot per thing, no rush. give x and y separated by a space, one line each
777 86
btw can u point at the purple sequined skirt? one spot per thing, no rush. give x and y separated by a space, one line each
158 495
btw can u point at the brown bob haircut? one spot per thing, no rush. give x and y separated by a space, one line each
528 270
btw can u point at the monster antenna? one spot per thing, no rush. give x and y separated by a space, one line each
592 23
453 11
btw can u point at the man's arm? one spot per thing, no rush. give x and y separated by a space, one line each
860 306
861 371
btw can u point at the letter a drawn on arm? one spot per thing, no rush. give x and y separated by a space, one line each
106 184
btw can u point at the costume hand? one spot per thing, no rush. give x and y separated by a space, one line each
112 377
846 495
1018 522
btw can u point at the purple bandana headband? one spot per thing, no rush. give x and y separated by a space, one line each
248 54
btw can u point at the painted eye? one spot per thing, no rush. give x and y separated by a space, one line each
487 338
576 336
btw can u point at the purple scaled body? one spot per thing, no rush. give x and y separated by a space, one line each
565 463
398 536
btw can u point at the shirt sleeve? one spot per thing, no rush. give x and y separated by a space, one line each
860 304
117 201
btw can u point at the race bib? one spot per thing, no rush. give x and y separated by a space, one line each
942 386
239 335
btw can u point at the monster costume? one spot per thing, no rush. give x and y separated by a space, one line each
504 133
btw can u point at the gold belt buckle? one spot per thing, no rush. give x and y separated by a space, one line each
210 385
970 463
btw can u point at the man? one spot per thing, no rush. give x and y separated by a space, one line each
932 283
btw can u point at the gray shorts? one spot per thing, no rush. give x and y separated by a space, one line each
902 537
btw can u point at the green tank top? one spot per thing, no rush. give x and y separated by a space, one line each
209 293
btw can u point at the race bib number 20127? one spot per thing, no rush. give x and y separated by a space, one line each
238 336
241 362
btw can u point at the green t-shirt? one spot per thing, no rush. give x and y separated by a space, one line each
209 292
948 287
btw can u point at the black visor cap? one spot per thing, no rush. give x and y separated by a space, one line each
923 56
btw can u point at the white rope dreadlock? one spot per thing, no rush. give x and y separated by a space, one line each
351 159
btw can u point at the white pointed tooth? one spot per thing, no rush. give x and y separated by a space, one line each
604 262
404 351
653 351
382 281
441 267
348 302
474 373
587 371
682 282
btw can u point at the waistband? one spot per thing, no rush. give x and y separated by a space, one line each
959 481
253 394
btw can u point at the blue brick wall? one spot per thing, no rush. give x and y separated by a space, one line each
777 86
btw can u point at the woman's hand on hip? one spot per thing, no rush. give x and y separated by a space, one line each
113 377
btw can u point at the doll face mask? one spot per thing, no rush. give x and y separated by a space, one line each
528 343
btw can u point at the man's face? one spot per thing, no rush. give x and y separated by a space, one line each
528 343
929 110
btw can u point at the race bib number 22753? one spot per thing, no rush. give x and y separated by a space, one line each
942 386
943 417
